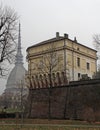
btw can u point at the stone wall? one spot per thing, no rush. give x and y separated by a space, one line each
78 100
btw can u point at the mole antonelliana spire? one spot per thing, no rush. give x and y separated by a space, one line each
19 56
16 80
18 72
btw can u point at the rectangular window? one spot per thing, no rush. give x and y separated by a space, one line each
78 62
79 76
88 66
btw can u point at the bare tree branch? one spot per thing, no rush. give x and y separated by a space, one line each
50 61
96 39
8 37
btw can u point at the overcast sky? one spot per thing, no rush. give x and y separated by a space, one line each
41 19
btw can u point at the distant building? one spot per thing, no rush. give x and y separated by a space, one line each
76 60
15 87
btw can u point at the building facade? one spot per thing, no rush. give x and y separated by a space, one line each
65 55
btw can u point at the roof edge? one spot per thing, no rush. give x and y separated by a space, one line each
59 38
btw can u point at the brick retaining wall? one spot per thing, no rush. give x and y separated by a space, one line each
78 100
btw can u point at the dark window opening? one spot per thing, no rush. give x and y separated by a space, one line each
88 66
79 75
78 62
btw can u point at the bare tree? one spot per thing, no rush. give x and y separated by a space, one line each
96 39
49 73
8 25
49 64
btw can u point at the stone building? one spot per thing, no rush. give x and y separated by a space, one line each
75 59
51 64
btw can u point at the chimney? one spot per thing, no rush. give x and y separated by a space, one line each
57 35
75 39
65 35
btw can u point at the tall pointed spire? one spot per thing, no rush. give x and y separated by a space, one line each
19 56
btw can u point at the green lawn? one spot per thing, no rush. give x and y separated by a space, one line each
40 124
45 128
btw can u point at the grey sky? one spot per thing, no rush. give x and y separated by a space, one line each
41 19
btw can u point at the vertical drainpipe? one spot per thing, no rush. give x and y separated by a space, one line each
65 57
73 58
72 62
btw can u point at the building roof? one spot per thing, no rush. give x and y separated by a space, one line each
55 39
